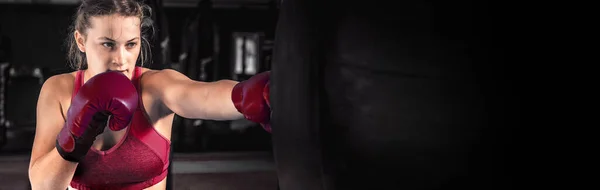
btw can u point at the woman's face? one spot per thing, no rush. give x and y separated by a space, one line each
111 43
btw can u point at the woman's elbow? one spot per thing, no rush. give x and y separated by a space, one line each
35 181
39 182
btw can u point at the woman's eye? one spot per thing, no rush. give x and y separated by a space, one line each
131 45
108 44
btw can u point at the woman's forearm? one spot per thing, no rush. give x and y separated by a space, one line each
220 96
193 99
51 171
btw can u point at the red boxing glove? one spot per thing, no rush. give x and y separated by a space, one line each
251 98
106 94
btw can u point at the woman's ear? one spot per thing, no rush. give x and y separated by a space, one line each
80 40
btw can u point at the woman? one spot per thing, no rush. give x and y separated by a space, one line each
74 148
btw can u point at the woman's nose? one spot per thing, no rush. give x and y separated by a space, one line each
119 58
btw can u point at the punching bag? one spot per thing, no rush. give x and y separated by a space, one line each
4 74
197 45
383 96
5 54
160 43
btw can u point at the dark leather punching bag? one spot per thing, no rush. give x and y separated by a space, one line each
4 76
161 51
5 54
295 96
197 45
389 95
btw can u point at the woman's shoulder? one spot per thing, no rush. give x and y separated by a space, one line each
159 79
160 75
60 84
61 79
147 71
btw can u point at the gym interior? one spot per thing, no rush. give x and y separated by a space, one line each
365 94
